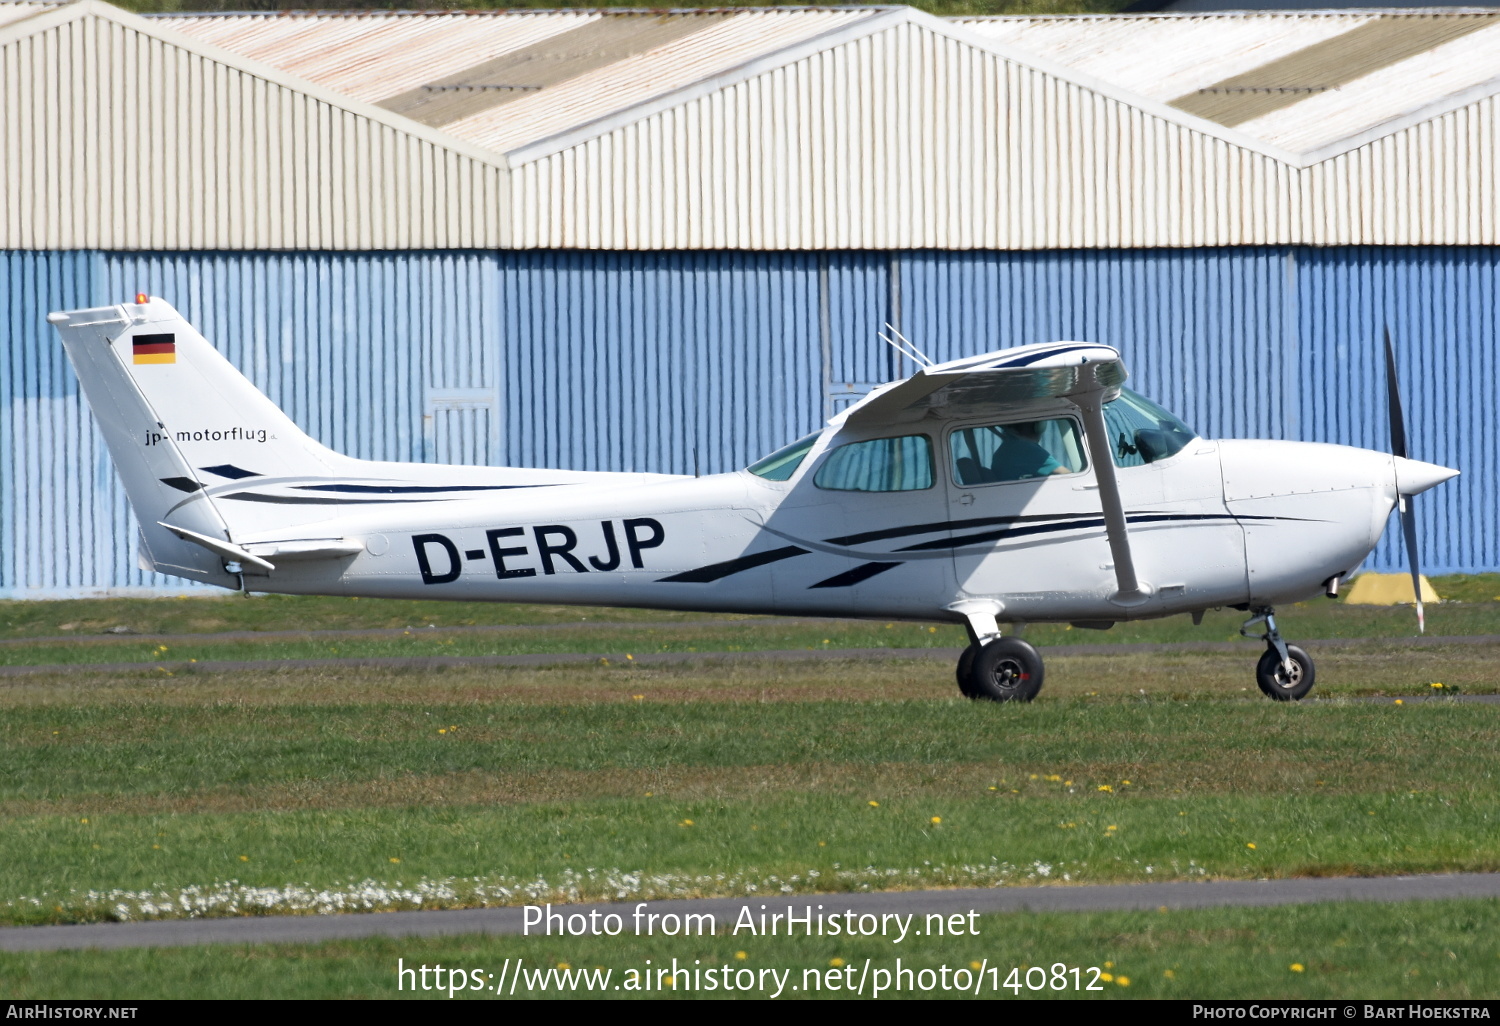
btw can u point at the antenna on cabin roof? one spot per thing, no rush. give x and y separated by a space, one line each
904 346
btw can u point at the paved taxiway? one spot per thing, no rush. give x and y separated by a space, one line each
310 929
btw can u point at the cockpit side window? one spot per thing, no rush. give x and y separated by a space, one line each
1141 432
1016 452
783 463
901 464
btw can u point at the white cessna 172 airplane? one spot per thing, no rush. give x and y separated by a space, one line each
1021 485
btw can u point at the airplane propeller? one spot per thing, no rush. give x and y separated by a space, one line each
1406 504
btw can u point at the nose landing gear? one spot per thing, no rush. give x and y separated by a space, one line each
1285 673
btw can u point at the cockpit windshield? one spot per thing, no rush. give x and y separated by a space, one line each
1142 432
783 463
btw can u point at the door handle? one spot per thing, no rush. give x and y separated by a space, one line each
965 499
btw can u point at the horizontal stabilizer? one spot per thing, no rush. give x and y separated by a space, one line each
228 550
259 554
308 549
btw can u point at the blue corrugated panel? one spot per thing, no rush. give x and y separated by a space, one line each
1442 306
616 361
50 525
1203 332
348 344
861 301
657 362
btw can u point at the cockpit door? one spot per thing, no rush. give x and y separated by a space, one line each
1025 523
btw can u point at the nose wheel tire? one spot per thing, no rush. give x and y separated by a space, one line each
1002 670
1282 683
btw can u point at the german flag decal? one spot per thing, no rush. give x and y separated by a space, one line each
154 348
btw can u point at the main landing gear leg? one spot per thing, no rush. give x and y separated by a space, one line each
1285 673
997 669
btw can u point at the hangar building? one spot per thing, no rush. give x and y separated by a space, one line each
666 240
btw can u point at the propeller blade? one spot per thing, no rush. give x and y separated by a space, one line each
1405 503
1409 529
1393 401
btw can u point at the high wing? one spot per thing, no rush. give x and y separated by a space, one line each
989 383
1081 373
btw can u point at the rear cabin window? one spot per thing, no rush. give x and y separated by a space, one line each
1016 451
880 465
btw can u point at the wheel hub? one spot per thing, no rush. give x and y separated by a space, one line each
1010 675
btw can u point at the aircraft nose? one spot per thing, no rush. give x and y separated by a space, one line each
1414 477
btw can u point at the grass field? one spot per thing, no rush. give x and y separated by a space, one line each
180 631
144 794
718 779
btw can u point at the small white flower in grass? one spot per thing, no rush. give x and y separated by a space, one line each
230 897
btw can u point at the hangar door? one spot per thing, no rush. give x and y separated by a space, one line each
461 426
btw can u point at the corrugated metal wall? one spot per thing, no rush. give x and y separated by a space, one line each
63 525
1443 311
113 138
657 362
620 361
908 139
1196 326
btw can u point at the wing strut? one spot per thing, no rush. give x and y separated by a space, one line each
1091 405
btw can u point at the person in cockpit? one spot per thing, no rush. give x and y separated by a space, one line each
1021 454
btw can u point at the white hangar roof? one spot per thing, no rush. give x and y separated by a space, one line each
19 9
502 79
784 128
1301 82
1296 83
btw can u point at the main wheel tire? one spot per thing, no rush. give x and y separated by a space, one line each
1281 684
1005 670
965 669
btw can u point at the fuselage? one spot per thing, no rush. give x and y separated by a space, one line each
1219 523
1024 484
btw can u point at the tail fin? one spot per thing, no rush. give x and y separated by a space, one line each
169 405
